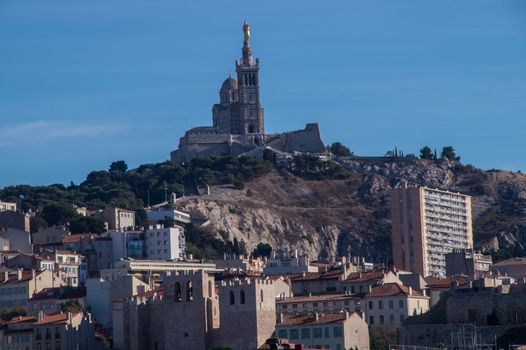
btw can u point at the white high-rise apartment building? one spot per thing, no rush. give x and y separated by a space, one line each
165 243
427 224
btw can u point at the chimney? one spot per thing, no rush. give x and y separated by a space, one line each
19 274
347 315
33 274
281 318
316 316
6 276
370 288
424 291
410 290
40 315
69 317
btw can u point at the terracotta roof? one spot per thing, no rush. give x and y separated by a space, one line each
312 298
298 320
365 276
22 319
512 261
54 318
392 289
312 276
445 282
74 238
13 277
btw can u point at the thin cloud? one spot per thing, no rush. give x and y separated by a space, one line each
44 131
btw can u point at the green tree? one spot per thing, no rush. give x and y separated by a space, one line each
262 250
141 219
119 166
448 152
86 224
340 150
426 153
58 214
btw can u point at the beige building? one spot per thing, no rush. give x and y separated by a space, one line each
65 331
16 287
335 331
68 267
427 224
514 267
388 305
118 219
7 206
324 303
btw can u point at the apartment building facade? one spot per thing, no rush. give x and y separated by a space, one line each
426 225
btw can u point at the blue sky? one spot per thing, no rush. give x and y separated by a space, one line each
84 83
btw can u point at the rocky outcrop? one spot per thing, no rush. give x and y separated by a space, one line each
327 217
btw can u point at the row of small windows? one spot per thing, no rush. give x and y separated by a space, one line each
317 332
250 79
242 299
391 304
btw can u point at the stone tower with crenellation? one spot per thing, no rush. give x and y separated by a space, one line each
239 111
247 313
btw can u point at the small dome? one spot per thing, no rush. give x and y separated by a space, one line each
229 84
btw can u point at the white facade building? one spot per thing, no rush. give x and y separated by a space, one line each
165 243
7 206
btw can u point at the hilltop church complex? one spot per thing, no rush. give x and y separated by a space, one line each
239 121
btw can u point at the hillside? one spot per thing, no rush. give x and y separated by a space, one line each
322 208
351 215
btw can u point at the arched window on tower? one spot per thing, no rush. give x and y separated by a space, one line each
232 298
210 289
177 292
242 296
261 295
189 291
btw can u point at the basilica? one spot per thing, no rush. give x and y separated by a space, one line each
239 121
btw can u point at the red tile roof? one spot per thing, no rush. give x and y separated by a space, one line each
297 320
313 276
512 261
22 319
392 289
365 276
312 298
54 318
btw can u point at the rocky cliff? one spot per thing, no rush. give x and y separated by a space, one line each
352 215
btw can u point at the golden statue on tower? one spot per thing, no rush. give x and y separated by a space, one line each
246 30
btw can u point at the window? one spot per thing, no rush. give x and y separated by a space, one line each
391 318
261 295
402 318
391 304
242 297
380 304
371 320
282 333
370 304
209 289
382 321
232 298
315 304
57 346
189 291
305 333
401 303
317 333
337 331
177 292
327 332
294 334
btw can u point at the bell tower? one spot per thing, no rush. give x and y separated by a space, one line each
251 118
